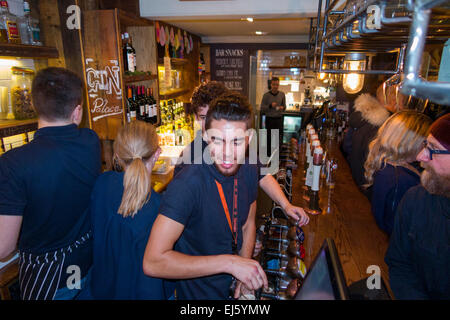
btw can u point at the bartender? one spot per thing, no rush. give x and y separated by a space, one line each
272 105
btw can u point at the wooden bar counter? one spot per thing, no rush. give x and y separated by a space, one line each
346 218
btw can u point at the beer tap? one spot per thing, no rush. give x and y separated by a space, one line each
314 196
309 173
310 132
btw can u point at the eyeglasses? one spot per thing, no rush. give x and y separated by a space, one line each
433 151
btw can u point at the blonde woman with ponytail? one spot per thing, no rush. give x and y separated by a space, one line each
388 168
123 209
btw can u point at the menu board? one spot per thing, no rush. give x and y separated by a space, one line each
230 66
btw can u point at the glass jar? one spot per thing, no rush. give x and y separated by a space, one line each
21 93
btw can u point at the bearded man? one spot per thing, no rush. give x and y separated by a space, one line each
419 252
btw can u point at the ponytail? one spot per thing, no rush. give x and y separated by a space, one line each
136 188
135 144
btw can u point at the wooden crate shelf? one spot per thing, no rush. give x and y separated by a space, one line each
128 19
172 94
138 78
27 51
174 61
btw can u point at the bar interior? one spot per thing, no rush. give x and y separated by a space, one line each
351 86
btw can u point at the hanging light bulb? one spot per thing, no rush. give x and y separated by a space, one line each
322 75
354 82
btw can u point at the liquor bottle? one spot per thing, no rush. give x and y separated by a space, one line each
128 102
129 54
35 32
179 137
10 21
25 30
3 28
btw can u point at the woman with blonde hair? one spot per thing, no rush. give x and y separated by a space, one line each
123 209
389 168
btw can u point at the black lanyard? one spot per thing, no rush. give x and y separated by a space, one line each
233 226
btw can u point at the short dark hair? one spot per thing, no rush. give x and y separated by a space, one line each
205 93
56 92
230 106
275 79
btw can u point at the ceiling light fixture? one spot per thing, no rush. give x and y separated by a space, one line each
259 33
354 82
250 19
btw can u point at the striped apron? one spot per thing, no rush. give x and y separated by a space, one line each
40 275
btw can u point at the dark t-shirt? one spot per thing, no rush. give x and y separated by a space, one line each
389 186
119 244
419 251
268 99
193 200
49 182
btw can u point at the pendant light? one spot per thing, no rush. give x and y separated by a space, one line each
354 82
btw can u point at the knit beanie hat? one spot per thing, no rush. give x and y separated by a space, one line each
440 129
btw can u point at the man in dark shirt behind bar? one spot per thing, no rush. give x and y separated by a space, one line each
419 252
205 231
272 105
45 188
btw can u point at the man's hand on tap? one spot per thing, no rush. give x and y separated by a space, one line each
297 213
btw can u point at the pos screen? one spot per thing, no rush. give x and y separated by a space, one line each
325 279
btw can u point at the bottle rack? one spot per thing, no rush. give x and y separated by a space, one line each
410 25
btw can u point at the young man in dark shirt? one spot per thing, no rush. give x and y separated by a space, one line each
45 188
202 97
205 231
419 252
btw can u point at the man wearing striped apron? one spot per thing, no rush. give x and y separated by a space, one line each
45 188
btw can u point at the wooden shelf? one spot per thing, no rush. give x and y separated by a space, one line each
174 61
178 61
128 19
172 94
16 123
27 51
138 78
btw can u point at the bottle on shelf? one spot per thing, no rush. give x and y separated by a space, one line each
145 103
3 28
35 32
179 137
129 54
133 106
153 107
29 27
128 102
10 22
141 103
24 26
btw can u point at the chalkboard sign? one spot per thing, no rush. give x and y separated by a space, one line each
230 65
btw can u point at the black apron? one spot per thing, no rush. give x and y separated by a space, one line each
40 275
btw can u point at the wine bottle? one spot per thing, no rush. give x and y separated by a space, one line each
129 54
133 109
153 107
129 101
142 102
